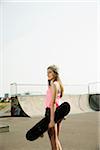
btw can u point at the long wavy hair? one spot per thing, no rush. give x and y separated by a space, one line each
57 78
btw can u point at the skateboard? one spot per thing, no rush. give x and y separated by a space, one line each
42 126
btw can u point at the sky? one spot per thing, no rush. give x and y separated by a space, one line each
35 35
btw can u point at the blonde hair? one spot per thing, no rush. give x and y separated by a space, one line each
57 78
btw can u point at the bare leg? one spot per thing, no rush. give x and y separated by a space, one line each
52 136
58 130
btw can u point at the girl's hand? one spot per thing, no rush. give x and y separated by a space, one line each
51 124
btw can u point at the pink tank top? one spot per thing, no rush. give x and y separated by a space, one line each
49 97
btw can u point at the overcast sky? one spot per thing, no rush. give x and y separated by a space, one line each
35 35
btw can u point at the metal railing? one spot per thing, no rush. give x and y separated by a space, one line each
40 89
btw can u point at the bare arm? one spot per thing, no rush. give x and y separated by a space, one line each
53 88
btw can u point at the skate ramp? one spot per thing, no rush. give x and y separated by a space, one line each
78 103
34 105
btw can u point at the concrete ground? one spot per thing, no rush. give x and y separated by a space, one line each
78 132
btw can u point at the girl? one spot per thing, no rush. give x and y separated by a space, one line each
54 93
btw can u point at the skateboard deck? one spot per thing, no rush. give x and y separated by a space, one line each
42 126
